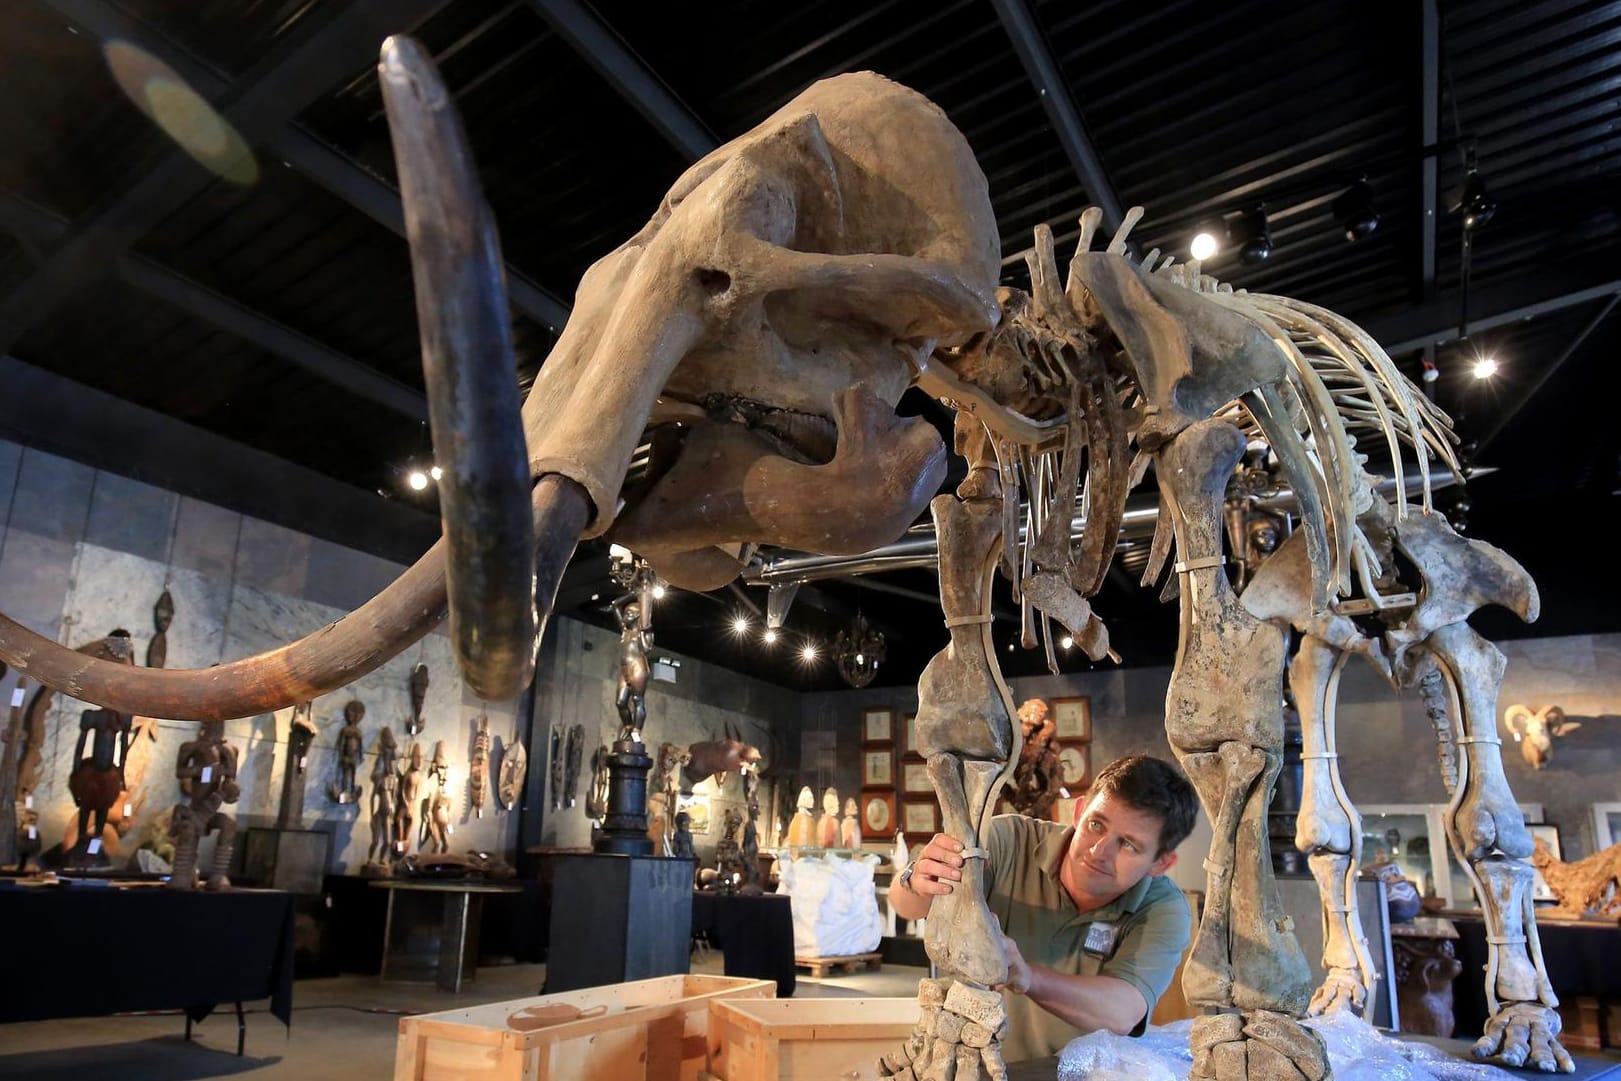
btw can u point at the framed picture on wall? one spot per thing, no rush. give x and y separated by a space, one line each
921 817
1606 825
1074 765
878 767
878 726
1063 810
1072 718
915 779
908 720
1548 834
878 813
697 808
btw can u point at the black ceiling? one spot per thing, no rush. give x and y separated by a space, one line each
278 313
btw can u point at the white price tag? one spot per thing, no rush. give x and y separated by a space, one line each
95 846
17 697
449 830
301 760
28 802
343 797
33 833
208 774
128 810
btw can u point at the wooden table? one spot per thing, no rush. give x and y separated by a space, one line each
431 932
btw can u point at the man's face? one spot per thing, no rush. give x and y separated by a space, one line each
1115 846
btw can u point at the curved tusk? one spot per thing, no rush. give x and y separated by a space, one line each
318 663
469 370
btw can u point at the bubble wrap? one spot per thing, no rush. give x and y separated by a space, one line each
1356 1050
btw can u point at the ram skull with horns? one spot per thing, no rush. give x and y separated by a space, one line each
758 332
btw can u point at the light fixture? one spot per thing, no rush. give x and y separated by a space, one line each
658 591
1066 642
807 652
417 479
1471 200
1484 367
740 624
1252 236
436 473
770 636
1207 238
858 652
1354 211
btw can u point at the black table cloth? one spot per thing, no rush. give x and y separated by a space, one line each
85 951
755 933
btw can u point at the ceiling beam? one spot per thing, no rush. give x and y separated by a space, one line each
638 84
1429 120
44 230
1436 322
318 162
1042 69
315 57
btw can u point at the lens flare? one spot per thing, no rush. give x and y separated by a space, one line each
195 126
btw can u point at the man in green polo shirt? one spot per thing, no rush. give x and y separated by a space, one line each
1092 932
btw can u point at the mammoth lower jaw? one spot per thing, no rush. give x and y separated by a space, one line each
730 487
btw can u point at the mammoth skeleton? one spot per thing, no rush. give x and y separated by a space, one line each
757 334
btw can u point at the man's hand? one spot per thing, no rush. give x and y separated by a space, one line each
937 867
1018 969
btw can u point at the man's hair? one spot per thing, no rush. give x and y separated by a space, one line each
1155 787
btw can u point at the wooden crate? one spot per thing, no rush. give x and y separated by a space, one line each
648 1030
817 1039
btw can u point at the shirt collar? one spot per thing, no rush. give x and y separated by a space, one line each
1051 855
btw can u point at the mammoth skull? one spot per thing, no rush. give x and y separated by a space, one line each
761 327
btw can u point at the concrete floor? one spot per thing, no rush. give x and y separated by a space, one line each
342 1029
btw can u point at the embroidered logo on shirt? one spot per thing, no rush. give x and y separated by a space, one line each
1100 938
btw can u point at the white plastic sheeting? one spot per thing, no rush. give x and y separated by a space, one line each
835 906
1356 1050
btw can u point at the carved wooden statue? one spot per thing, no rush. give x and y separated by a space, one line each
729 853
749 847
802 827
406 798
478 768
631 699
97 781
351 746
573 753
681 841
385 788
436 804
514 767
206 769
419 696
827 823
300 735
850 827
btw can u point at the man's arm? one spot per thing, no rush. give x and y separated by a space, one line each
1086 1002
934 873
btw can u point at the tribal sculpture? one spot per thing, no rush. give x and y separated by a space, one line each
752 341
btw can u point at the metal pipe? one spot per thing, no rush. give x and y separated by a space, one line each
920 549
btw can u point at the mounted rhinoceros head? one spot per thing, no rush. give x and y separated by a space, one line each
755 335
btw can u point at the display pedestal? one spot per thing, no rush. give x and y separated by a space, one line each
624 827
291 860
617 918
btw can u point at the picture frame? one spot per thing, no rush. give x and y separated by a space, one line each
1063 810
920 817
915 778
1548 833
697 808
907 733
878 813
1072 718
877 767
1606 825
877 726
1074 765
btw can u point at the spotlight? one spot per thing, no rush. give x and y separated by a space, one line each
1355 213
769 637
658 591
436 472
1252 236
1207 237
740 625
417 479
1470 199
1484 367
1066 642
807 652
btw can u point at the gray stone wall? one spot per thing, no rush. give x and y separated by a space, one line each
83 551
